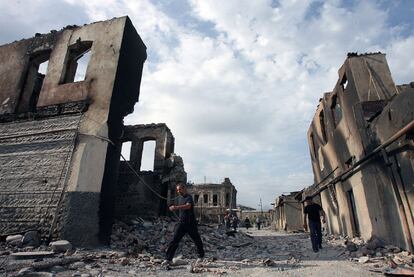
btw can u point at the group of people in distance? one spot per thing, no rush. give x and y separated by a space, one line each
188 224
231 221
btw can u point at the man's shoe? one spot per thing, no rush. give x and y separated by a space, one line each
315 250
199 260
166 263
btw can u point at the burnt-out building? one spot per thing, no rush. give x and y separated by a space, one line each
361 146
148 193
213 201
61 128
288 212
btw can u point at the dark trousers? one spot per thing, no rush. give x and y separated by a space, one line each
315 233
181 229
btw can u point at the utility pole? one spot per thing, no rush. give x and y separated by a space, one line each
261 206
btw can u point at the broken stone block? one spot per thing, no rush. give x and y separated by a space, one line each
31 238
60 246
31 255
14 240
24 271
363 260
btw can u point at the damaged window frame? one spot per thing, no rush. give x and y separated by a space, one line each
33 81
215 200
336 110
73 54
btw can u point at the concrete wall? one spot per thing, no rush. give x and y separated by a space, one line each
364 109
108 92
288 213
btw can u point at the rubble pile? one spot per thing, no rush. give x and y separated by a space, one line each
376 253
139 236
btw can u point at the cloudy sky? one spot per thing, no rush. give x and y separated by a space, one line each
238 82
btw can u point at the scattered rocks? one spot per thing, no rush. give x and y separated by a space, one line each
14 240
60 246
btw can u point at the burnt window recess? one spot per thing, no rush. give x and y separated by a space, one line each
350 162
215 200
148 155
196 197
353 212
336 110
126 150
313 144
77 59
227 199
371 109
205 198
344 82
323 129
35 74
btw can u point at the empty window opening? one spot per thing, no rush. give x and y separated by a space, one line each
35 75
227 199
215 200
43 67
322 123
196 197
344 82
126 150
148 156
77 59
336 110
205 198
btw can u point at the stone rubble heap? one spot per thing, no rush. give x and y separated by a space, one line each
138 248
384 258
152 237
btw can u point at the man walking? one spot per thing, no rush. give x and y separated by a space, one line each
314 212
187 224
258 222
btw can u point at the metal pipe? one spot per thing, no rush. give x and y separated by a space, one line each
377 150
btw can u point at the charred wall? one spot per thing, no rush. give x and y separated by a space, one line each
362 112
77 125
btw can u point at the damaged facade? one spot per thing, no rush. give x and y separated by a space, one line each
60 141
288 213
138 192
361 147
213 201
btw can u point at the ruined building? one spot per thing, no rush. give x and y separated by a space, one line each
361 146
138 192
61 134
212 201
288 214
